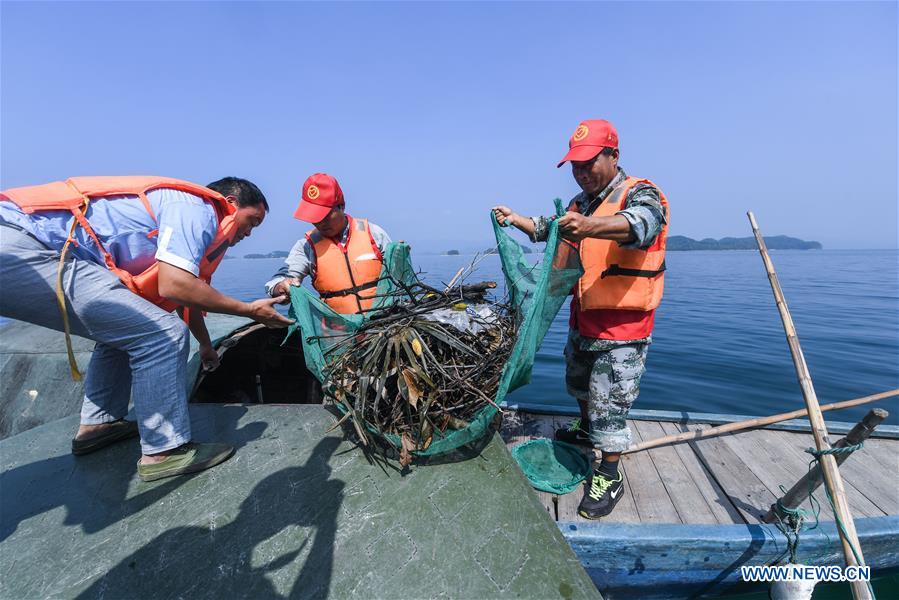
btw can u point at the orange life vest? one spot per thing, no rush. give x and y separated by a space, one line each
75 195
346 276
622 278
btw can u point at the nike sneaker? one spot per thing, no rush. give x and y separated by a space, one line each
574 434
601 495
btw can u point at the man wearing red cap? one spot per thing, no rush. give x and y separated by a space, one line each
620 225
343 255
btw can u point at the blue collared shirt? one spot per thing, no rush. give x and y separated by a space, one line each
186 225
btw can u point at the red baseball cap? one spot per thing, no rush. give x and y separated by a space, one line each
589 139
321 193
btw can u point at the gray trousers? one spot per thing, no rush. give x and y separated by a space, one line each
141 350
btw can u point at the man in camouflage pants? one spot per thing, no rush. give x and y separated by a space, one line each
620 224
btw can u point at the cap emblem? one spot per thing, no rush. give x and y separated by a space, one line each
580 133
312 192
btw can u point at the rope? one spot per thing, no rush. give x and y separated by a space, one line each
791 521
844 450
816 454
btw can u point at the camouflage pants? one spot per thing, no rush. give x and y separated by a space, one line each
608 379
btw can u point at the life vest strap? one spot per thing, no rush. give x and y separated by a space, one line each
61 297
617 270
79 213
146 203
351 290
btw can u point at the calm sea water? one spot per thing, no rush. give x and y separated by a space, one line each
718 344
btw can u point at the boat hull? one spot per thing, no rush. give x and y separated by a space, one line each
681 561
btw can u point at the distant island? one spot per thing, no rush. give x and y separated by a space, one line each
274 254
777 242
495 249
681 243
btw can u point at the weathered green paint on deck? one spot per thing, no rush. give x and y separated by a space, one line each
295 513
36 386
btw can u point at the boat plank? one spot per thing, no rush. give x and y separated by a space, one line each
876 468
767 463
688 500
625 511
794 444
527 426
747 493
567 504
862 472
718 502
544 427
651 498
871 473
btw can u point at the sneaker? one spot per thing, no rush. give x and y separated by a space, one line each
189 458
601 496
573 434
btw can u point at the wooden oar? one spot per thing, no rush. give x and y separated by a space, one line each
756 422
832 478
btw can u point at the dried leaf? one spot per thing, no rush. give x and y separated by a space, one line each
419 370
346 416
401 386
406 451
413 393
426 434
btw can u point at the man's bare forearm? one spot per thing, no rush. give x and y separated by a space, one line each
615 228
197 325
524 224
182 287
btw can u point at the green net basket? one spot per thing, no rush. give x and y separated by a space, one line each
552 466
537 291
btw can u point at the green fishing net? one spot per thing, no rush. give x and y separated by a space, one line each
537 291
552 466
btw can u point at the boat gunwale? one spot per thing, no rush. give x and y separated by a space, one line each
683 417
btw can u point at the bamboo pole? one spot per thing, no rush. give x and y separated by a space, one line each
688 436
832 477
812 480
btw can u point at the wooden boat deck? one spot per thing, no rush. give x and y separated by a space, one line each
731 479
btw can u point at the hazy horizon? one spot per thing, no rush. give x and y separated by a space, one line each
430 113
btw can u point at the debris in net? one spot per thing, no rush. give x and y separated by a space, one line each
423 366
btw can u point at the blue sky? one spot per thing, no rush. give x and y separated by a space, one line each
428 114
